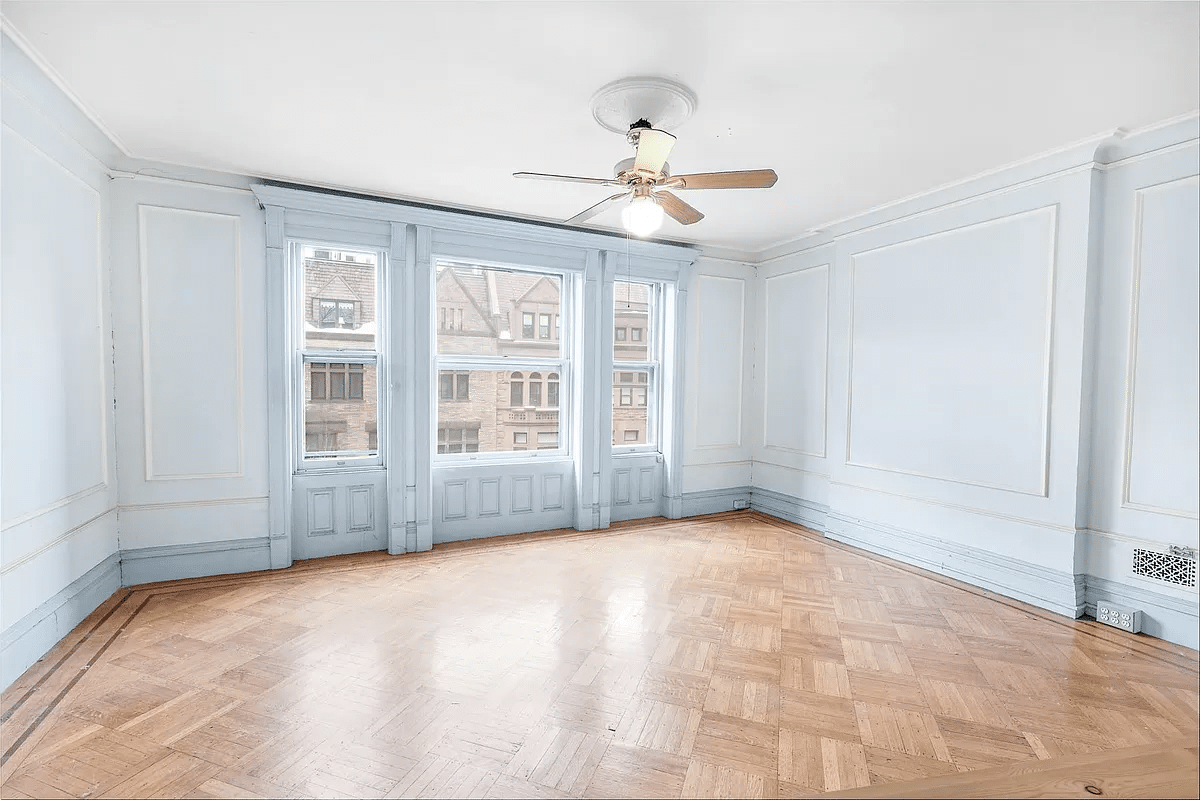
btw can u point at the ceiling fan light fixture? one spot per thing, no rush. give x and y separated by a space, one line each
643 216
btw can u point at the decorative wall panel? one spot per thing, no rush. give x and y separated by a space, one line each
191 316
794 364
1162 467
950 338
717 359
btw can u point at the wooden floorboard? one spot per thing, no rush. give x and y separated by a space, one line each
726 656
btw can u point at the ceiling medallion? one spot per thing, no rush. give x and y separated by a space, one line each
664 103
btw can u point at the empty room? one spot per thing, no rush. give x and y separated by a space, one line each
599 399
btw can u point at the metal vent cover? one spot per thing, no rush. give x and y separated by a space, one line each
1177 570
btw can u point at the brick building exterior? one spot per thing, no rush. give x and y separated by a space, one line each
479 312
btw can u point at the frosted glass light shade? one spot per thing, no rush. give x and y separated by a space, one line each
642 216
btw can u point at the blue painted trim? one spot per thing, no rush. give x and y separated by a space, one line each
714 501
793 509
1174 619
32 636
170 562
1051 589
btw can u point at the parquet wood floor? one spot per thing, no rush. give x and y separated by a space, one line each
732 656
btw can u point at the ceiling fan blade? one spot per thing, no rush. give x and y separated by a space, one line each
678 210
542 176
745 179
652 150
588 213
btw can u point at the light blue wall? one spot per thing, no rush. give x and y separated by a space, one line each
998 381
58 493
1036 425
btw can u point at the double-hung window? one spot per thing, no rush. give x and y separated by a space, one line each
636 365
501 375
337 355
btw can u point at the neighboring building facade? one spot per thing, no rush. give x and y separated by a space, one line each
480 314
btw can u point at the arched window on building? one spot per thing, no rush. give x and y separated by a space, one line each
535 389
516 396
552 390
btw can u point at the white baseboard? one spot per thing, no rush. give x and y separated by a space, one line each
173 561
714 501
32 636
793 509
1173 619
1051 589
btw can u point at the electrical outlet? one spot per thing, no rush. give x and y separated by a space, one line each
1127 619
741 505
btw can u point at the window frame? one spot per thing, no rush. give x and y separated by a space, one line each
508 364
653 338
300 355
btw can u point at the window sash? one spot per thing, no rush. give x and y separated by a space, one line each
343 385
543 393
641 390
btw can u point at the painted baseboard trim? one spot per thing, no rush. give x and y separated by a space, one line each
714 501
197 560
1051 589
1173 619
32 636
793 509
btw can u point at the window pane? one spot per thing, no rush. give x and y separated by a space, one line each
631 310
341 425
516 390
631 411
488 423
535 393
462 386
552 393
339 299
498 312
445 385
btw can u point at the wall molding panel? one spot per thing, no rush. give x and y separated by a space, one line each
521 487
1175 444
478 501
719 336
803 384
71 330
11 564
879 340
184 259
552 492
489 497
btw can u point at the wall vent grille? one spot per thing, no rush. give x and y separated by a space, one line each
1166 567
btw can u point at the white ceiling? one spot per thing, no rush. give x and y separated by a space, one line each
853 104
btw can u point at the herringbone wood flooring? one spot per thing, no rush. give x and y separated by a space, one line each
728 656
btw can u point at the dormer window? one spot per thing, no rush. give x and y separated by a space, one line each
335 313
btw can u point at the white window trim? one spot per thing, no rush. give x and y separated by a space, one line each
653 339
300 356
509 364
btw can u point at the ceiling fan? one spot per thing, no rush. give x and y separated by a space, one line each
647 182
